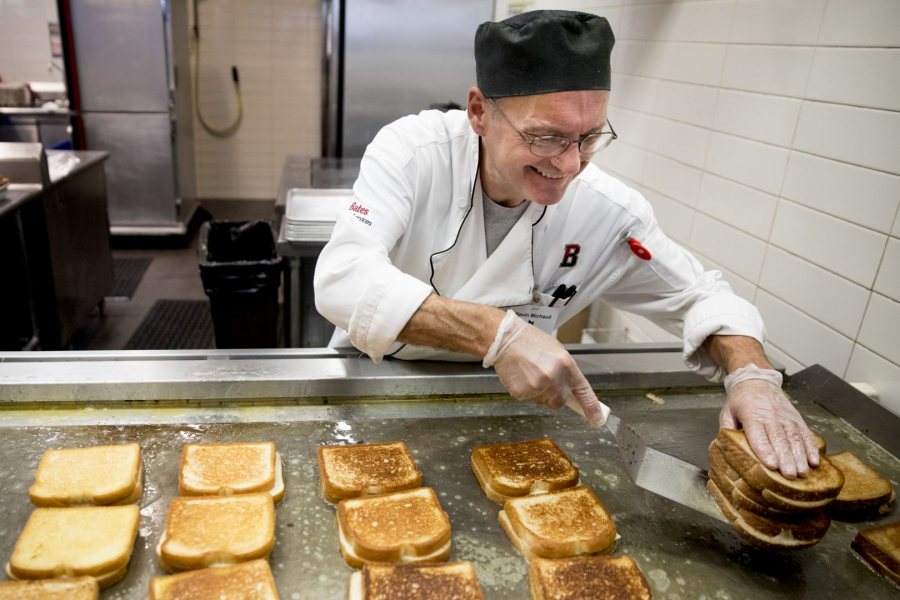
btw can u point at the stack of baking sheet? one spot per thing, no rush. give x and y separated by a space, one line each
310 213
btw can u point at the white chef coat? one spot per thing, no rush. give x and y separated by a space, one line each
415 226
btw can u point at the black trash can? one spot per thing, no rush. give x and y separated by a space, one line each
242 276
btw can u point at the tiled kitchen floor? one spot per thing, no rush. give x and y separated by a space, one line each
174 274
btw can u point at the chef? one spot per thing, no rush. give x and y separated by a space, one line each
473 235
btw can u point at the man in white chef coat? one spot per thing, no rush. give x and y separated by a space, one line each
475 234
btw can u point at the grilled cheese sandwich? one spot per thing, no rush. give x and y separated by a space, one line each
365 470
405 526
558 524
95 475
516 469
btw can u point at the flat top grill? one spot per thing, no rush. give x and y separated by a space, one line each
683 554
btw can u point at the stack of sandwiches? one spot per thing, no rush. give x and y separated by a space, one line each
766 508
87 522
392 529
560 527
222 529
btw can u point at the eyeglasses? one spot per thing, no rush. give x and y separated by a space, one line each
547 146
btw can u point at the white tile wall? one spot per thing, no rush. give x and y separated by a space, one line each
860 136
685 21
689 63
846 249
862 196
276 45
855 76
880 327
861 23
694 104
884 376
816 291
754 164
747 209
776 147
805 339
782 359
756 116
634 93
728 246
777 22
675 179
888 280
779 70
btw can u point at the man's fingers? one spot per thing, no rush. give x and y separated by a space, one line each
782 447
759 442
798 450
812 448
726 419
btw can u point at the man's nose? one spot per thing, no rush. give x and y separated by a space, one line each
569 162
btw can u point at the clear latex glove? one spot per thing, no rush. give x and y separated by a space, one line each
774 428
534 366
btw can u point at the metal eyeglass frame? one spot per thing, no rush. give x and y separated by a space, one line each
531 139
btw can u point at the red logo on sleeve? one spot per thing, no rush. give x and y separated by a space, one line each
359 208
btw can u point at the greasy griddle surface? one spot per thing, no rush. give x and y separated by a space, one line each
683 554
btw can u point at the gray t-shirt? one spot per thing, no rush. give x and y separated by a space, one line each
498 220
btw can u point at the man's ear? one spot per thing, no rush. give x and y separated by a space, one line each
476 108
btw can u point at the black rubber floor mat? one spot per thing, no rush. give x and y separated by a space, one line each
127 274
175 325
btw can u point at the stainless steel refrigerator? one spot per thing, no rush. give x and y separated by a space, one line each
389 58
122 60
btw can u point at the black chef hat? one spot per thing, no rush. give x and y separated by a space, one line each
543 51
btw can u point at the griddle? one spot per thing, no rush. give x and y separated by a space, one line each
301 399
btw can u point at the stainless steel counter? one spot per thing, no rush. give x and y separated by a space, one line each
301 399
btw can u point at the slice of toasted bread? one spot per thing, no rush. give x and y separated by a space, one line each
406 526
96 475
73 588
435 581
557 524
227 469
520 468
880 548
823 482
248 580
587 577
83 540
770 533
865 492
214 530
365 470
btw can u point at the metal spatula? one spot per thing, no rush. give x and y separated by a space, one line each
657 471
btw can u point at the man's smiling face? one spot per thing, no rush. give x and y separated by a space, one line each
510 173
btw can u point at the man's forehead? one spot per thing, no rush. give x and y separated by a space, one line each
558 111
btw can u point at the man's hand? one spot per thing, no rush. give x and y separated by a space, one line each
774 428
531 364
534 366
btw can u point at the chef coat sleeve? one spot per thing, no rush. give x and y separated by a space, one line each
356 286
673 290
